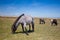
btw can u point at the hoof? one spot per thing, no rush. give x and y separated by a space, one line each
29 31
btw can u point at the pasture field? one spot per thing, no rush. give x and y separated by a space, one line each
42 31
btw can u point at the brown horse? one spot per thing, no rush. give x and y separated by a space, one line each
54 21
42 21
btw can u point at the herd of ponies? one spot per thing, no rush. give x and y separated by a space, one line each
27 20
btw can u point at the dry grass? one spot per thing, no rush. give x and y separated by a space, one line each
42 31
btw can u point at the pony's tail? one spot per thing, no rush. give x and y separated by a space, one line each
32 24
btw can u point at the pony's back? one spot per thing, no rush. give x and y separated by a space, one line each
26 18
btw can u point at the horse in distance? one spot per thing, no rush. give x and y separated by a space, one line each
23 20
42 21
54 22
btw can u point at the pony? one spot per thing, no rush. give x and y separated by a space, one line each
23 20
54 21
42 21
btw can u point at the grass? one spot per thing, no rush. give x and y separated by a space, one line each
42 31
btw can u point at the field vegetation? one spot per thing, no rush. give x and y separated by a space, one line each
42 31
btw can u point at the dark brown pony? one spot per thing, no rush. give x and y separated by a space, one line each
54 21
42 21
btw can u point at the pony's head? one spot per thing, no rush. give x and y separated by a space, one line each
14 27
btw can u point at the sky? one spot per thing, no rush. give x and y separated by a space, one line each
35 8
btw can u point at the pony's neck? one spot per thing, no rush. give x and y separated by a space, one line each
19 17
16 22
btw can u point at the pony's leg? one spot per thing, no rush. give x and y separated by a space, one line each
22 27
29 27
56 23
26 31
25 28
32 26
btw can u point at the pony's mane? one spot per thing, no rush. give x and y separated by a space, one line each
18 19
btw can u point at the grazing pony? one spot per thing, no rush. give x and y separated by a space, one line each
23 20
54 21
42 21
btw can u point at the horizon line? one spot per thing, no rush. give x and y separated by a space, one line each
34 17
